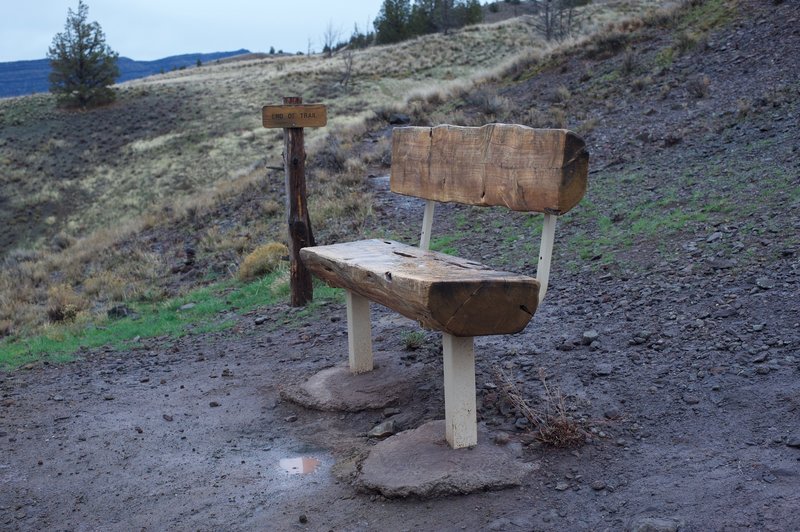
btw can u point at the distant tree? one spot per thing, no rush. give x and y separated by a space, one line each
430 16
391 24
271 50
473 13
329 39
558 18
83 66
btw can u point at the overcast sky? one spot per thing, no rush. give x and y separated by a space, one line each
151 29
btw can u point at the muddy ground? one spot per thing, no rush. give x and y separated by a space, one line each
681 357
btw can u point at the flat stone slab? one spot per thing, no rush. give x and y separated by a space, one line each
337 389
419 462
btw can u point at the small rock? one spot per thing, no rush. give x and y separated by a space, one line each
725 312
502 438
761 357
138 429
167 417
794 441
762 370
562 486
303 519
187 306
108 397
758 327
690 399
598 485
765 283
213 404
58 398
389 412
589 336
721 264
713 237
260 320
383 430
612 413
603 370
290 419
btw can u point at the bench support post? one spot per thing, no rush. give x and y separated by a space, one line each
546 253
427 225
359 333
460 411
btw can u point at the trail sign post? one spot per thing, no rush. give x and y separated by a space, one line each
292 117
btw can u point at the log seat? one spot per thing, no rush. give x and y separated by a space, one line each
441 292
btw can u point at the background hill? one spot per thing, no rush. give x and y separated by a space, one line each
19 78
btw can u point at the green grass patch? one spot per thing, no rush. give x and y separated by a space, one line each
210 310
444 244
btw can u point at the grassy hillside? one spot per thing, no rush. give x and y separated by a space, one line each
169 188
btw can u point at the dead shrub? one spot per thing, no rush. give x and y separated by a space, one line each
553 425
587 126
558 117
698 86
685 41
743 107
63 303
105 284
561 94
271 207
489 103
263 260
641 83
629 61
331 156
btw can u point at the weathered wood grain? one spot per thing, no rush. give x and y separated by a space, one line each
294 115
442 292
524 169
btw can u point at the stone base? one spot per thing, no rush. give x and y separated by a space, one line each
337 389
420 462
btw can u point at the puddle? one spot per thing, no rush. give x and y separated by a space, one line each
299 466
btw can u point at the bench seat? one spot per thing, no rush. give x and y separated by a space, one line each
442 292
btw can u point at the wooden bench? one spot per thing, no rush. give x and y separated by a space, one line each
523 169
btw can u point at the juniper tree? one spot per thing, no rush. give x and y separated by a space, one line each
83 66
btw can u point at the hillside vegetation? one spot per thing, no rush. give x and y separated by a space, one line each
187 146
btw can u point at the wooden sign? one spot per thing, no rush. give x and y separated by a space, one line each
288 116
292 117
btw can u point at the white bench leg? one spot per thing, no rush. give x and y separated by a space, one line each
359 333
460 413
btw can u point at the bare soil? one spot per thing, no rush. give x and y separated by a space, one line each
680 354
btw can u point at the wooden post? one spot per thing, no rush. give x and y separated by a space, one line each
292 117
299 223
359 333
460 412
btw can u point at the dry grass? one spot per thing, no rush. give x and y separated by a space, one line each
551 421
262 260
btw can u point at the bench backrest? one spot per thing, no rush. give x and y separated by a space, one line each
524 169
